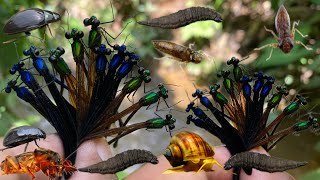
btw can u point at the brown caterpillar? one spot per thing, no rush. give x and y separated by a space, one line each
121 161
261 162
183 18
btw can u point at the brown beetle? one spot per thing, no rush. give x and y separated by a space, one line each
285 38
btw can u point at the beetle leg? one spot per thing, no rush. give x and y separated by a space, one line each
273 45
272 32
25 149
296 23
270 54
36 143
301 43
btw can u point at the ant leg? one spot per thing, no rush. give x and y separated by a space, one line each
301 43
272 32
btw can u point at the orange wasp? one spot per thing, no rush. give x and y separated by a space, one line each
286 38
49 162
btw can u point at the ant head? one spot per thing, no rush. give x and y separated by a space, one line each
53 58
270 79
223 74
93 21
141 70
286 45
233 61
61 50
79 34
301 99
32 51
245 79
190 106
145 74
122 48
168 117
197 93
10 85
68 35
147 79
282 90
189 119
259 75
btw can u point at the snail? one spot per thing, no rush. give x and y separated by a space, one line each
187 151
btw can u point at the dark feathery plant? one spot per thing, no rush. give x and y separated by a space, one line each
94 97
242 116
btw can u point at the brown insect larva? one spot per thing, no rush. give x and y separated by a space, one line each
178 52
121 161
183 18
261 162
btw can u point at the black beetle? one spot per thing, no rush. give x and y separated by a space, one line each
21 135
28 20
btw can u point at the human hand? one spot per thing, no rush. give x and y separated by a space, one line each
89 152
221 155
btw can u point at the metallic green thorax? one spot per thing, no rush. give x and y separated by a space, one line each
302 125
132 85
237 73
217 96
153 97
228 85
275 99
220 98
62 67
291 108
77 50
149 99
94 38
158 123
136 82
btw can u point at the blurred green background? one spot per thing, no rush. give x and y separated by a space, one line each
242 30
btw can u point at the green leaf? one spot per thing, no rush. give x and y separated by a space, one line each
312 175
121 175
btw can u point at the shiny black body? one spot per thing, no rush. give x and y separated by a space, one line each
28 20
21 135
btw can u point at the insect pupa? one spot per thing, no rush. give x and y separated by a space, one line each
178 52
183 18
121 161
261 162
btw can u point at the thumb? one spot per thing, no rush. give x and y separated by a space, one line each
89 153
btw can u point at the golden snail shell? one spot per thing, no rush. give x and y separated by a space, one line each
187 146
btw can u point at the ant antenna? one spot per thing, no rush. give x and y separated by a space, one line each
112 15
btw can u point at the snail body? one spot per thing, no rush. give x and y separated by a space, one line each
187 151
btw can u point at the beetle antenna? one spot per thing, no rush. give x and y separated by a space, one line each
15 45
